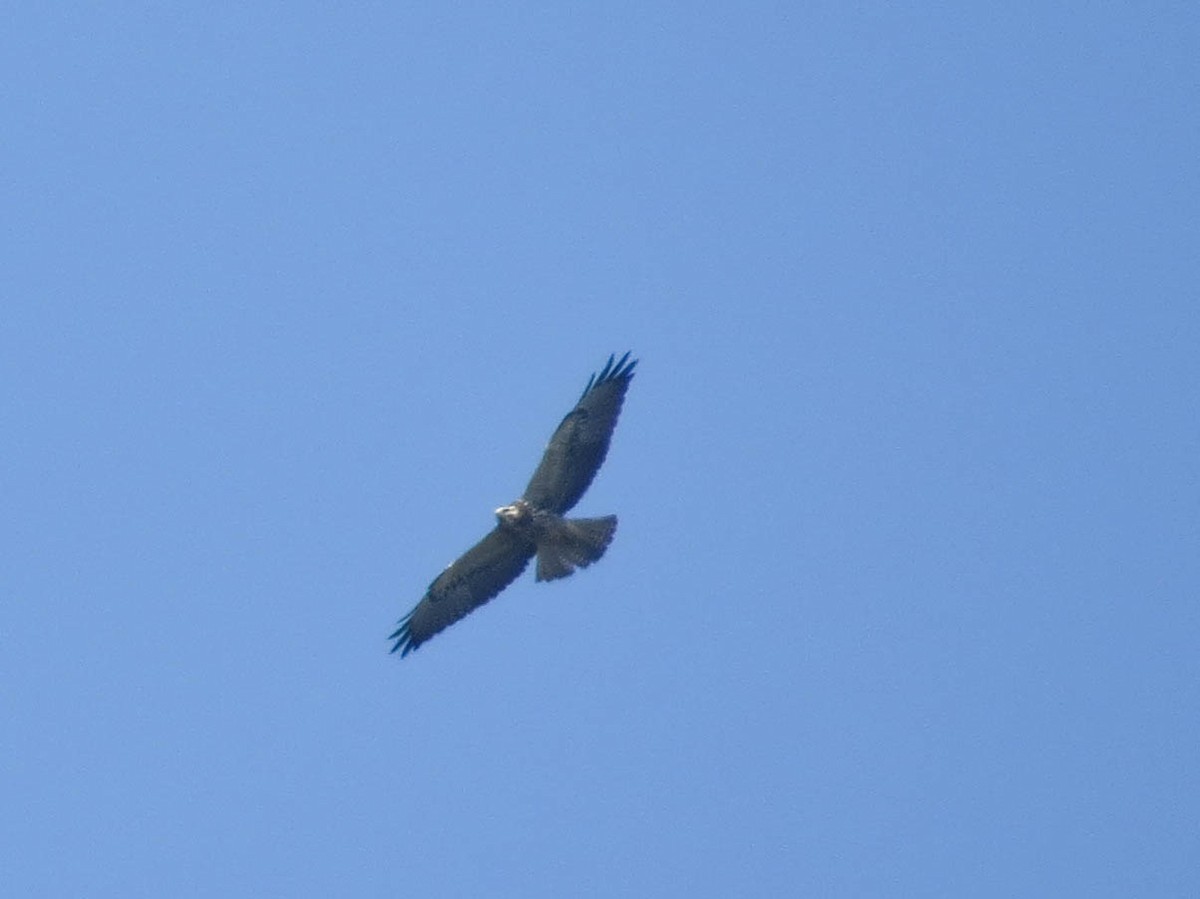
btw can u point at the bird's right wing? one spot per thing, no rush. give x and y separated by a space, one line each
477 576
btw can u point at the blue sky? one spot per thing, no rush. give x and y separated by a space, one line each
904 595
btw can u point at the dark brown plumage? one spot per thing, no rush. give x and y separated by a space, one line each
533 525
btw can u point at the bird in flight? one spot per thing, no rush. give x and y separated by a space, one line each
534 525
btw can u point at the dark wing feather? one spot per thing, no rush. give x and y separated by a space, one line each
478 575
580 443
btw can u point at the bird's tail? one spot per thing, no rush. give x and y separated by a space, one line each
572 543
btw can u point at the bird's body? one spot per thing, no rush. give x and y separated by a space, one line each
561 544
534 525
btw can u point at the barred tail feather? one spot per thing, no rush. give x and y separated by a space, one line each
573 543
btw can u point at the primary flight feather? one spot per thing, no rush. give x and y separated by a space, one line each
534 524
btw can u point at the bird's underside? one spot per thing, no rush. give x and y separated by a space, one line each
560 544
534 525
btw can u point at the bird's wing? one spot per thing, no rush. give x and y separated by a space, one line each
475 577
580 443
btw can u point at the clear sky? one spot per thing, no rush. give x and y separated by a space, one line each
904 599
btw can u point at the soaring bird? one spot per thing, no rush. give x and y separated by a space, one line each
534 524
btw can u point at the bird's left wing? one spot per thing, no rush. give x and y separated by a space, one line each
580 443
475 577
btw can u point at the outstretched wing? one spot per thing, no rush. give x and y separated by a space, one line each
478 575
579 446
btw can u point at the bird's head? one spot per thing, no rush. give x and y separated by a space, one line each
514 513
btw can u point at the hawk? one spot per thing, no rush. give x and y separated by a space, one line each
534 525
